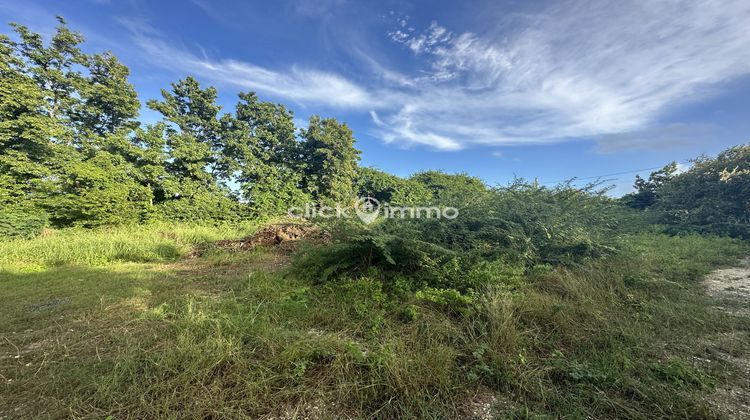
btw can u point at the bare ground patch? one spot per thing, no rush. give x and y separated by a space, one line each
730 287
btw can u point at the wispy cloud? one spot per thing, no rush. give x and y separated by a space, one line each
400 129
302 85
316 9
604 70
579 70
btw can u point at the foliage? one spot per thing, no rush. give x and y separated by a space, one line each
457 190
262 148
500 234
387 188
712 196
15 223
450 300
330 160
98 191
70 144
647 191
201 207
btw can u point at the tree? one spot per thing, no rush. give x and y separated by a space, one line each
330 160
35 82
197 168
388 188
24 130
99 190
66 119
712 196
108 101
54 69
264 154
647 191
194 139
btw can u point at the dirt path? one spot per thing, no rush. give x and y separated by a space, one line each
730 287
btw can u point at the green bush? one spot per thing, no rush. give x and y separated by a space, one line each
21 225
498 235
450 300
201 208
388 188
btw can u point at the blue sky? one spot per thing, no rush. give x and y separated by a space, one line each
546 90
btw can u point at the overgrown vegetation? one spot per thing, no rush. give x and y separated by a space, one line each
222 335
535 302
712 196
105 246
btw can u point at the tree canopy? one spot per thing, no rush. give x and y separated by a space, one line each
73 150
73 153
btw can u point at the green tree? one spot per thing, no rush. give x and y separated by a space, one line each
100 190
25 131
108 101
330 160
712 196
66 118
647 191
264 154
193 186
389 188
193 134
55 69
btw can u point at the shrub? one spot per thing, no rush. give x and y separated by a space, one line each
497 236
201 208
391 189
450 300
713 196
21 224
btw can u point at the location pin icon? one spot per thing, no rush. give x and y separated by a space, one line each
367 209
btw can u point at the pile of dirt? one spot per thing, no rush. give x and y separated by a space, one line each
286 236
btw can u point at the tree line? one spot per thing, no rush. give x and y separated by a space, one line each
712 196
73 153
72 149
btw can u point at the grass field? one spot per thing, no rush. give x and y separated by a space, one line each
123 323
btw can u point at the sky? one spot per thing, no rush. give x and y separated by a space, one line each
545 90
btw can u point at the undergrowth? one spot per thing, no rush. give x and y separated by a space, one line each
224 337
108 245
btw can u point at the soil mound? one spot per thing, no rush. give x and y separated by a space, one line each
286 236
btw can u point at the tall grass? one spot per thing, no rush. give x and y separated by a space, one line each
153 242
614 337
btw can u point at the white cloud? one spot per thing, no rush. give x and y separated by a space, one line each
302 85
401 129
581 69
605 70
425 42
